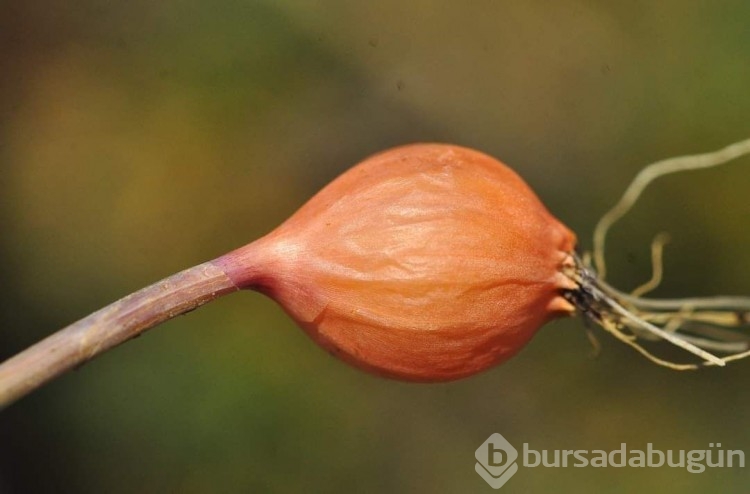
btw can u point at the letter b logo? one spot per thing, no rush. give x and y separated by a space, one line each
496 459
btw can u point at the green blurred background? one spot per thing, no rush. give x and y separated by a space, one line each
139 138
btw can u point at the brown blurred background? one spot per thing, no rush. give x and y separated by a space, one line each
139 138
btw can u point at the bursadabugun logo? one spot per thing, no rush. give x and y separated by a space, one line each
496 458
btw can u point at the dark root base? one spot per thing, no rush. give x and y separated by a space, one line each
697 325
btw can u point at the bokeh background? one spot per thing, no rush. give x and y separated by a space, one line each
139 138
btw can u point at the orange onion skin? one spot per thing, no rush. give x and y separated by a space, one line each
426 262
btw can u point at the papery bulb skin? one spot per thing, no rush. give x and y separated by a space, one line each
427 262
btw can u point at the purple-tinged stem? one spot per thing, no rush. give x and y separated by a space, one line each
110 326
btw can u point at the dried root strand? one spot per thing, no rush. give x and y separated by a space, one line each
657 270
644 179
699 326
602 304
